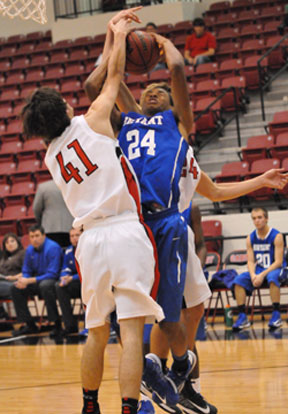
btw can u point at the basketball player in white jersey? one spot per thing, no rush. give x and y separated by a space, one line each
115 256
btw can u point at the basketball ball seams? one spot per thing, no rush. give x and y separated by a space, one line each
142 52
140 64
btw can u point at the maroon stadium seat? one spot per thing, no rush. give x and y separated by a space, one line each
280 149
279 123
257 148
213 228
232 171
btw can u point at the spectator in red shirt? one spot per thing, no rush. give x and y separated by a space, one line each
200 45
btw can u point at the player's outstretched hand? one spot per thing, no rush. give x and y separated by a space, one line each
127 14
275 178
159 39
122 26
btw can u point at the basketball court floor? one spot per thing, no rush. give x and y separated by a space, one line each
245 373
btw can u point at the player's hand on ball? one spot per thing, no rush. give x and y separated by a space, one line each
159 39
122 26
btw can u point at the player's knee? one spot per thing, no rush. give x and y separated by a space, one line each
170 328
100 333
194 314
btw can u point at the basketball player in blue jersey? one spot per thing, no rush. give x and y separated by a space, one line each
265 251
154 137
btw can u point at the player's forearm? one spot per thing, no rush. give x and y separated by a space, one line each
116 64
251 268
126 101
174 59
275 265
108 43
219 192
94 83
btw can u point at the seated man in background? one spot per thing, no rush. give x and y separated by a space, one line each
200 45
69 285
265 251
40 272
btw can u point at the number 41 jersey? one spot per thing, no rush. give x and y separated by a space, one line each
92 174
157 151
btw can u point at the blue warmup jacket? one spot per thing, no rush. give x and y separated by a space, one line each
44 263
69 267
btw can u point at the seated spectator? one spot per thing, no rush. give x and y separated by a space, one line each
51 213
69 285
10 266
265 252
40 271
200 46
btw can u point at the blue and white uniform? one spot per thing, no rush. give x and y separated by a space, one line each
157 152
264 256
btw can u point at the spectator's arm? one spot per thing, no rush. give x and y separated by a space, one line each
75 276
53 260
210 52
66 270
27 268
188 57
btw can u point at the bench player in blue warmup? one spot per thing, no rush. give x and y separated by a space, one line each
154 137
265 251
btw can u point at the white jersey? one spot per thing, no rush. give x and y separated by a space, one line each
189 180
91 172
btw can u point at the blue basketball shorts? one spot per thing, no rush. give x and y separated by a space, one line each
244 279
170 233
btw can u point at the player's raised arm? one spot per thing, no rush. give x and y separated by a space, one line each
179 90
100 110
274 178
95 80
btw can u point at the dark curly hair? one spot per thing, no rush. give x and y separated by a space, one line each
44 115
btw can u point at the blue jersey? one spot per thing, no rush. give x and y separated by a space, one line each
264 249
157 151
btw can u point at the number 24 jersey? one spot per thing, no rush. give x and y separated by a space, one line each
157 151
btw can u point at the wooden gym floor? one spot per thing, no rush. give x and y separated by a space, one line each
240 374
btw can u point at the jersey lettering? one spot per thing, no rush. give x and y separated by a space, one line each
263 259
68 171
192 169
147 141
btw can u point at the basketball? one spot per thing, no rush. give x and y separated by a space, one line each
142 52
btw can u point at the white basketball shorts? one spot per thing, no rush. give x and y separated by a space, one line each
117 264
196 289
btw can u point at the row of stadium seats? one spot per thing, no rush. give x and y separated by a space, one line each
23 69
236 6
265 146
255 15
